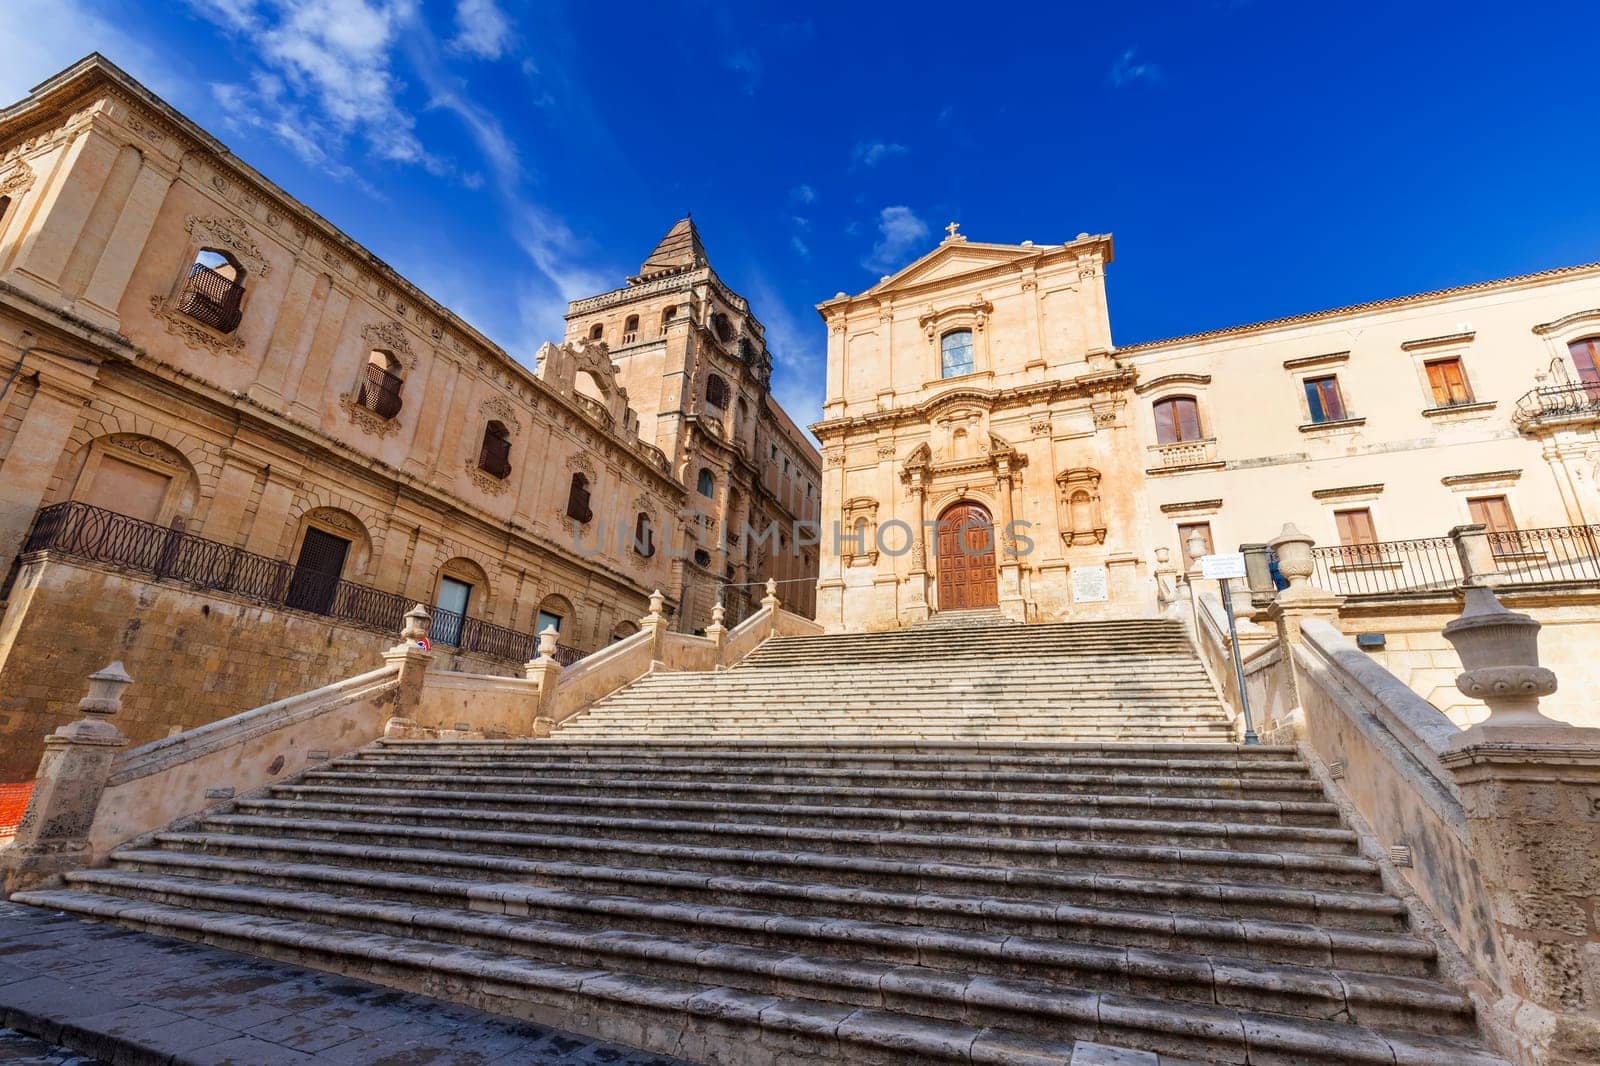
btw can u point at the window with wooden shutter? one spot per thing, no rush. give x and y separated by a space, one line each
1323 399
1355 527
1586 359
1494 514
578 499
1448 382
494 456
1177 419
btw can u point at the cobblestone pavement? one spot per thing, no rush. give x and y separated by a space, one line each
110 993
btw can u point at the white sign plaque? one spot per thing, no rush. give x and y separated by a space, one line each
1220 567
1089 584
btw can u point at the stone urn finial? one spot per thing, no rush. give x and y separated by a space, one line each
657 603
1499 652
547 643
770 600
1293 549
417 624
1163 554
104 698
717 613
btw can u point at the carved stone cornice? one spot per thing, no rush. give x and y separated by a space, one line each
230 234
1168 380
390 337
18 181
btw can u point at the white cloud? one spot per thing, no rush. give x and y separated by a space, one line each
871 153
800 247
803 194
482 29
43 37
326 75
899 231
1129 69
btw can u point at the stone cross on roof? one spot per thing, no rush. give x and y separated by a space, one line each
953 229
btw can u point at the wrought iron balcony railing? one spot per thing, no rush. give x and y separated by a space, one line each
494 458
1558 403
1562 555
212 298
380 393
97 535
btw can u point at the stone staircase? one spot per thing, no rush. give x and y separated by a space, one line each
984 679
768 896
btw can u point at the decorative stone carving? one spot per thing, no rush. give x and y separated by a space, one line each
391 337
1499 651
581 463
328 516
500 409
192 332
1040 426
148 448
486 481
229 233
886 450
1078 504
19 180
368 420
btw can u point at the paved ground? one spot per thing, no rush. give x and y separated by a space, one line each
108 993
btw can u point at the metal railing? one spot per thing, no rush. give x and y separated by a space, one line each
494 458
212 298
1556 555
95 534
1388 568
380 393
1558 401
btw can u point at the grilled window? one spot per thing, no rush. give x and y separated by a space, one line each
578 499
213 293
644 538
630 329
380 388
494 457
717 392
706 483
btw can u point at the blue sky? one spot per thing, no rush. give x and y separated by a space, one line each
1252 159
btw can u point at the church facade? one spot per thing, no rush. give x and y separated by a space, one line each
987 445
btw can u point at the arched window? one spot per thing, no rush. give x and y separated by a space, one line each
213 292
578 499
596 331
494 458
668 315
1177 419
1586 360
380 384
955 353
717 392
644 538
5 207
630 329
722 327
706 483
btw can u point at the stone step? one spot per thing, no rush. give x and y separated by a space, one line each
828 826
955 892
909 785
907 1001
733 731
740 847
840 961
600 792
665 901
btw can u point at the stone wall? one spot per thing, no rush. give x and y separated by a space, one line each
195 656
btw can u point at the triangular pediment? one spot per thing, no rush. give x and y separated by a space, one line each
952 259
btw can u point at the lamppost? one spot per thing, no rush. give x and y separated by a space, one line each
1222 572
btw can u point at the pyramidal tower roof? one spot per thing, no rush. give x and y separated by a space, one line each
678 251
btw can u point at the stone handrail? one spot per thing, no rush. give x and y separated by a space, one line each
155 783
601 674
745 637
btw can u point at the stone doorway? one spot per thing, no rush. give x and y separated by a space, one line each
966 558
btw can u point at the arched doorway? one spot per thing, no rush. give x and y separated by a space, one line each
966 558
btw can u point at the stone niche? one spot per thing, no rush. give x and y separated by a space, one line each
1078 509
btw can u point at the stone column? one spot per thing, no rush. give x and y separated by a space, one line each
64 387
412 655
1529 785
54 834
1478 563
917 581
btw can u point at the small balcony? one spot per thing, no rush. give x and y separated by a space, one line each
1550 406
494 458
1199 454
212 298
380 393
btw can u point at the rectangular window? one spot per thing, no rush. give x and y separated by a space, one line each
547 621
1324 400
1448 383
1494 513
1187 530
1355 527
